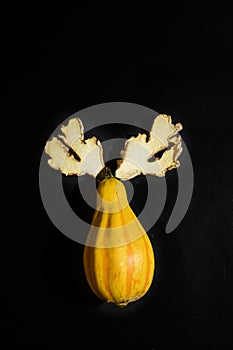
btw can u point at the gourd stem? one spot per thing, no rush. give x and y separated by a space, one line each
108 173
105 173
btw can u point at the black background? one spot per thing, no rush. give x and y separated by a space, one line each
176 60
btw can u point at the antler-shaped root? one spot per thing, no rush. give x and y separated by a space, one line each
80 157
137 151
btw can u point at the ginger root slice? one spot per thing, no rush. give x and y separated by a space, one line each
138 151
73 155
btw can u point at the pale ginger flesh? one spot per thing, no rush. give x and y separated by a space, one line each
73 155
138 151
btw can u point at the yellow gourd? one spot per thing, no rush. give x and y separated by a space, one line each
118 257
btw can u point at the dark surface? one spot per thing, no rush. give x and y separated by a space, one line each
176 61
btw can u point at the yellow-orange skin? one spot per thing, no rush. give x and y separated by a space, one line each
118 273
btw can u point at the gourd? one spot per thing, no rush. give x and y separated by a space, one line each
118 256
121 271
